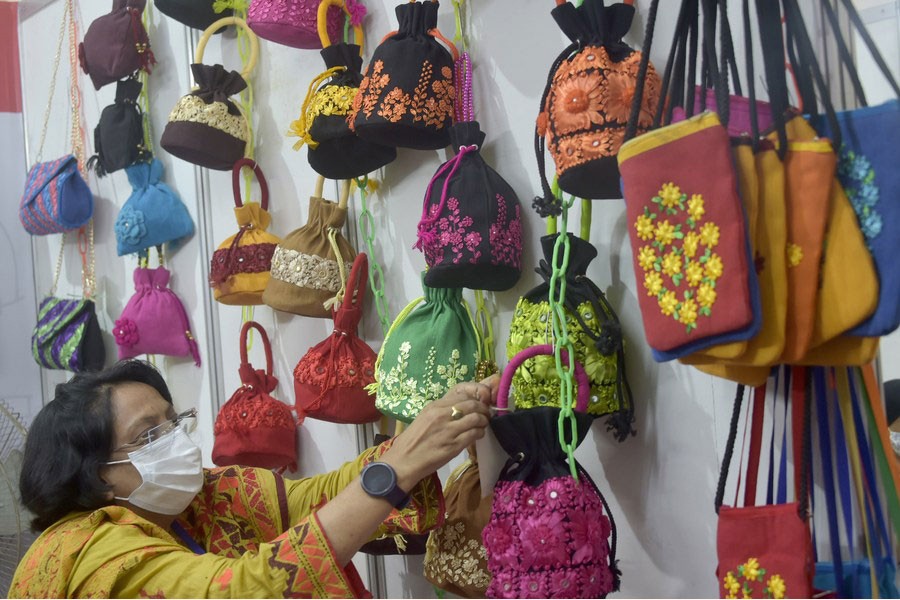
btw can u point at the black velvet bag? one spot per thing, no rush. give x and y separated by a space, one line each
198 14
119 136
406 97
471 227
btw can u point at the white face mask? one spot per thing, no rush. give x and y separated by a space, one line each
172 472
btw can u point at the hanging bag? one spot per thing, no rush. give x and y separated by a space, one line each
253 429
206 127
406 97
153 215
195 14
549 534
116 45
154 321
334 151
428 349
119 136
587 99
294 22
330 380
241 265
310 265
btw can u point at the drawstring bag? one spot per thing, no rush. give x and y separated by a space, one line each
293 22
119 136
206 127
455 558
310 265
154 321
253 429
428 349
406 97
595 333
116 45
471 225
549 534
196 14
587 99
240 267
153 215
334 151
330 380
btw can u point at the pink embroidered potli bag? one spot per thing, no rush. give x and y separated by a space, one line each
549 536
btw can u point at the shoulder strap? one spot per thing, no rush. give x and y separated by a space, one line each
756 427
236 182
729 446
825 453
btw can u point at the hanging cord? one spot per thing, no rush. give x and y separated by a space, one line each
459 16
86 250
631 127
376 274
67 15
729 447
144 97
485 330
613 561
59 261
300 127
427 236
335 301
75 99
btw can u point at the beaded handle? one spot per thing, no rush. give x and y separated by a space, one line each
236 182
265 340
581 377
225 22
464 107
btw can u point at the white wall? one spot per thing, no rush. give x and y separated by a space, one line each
660 484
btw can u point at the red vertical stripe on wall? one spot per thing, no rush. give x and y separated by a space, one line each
10 83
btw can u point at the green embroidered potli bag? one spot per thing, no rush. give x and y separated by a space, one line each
431 346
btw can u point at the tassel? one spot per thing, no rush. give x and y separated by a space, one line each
94 163
547 207
401 543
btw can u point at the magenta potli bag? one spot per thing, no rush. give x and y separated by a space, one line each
295 22
154 321
549 536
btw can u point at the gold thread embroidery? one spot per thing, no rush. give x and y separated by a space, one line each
195 110
306 270
456 557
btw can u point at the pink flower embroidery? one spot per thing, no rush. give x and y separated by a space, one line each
503 585
543 539
533 585
500 543
564 583
126 332
556 493
506 237
506 497
453 232
589 531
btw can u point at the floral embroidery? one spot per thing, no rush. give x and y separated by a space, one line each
794 255
306 270
130 226
857 176
326 370
394 105
459 558
506 236
251 258
126 332
454 233
195 110
666 263
752 573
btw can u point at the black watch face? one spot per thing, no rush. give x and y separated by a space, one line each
378 479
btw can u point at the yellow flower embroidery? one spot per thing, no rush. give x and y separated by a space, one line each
644 227
646 258
695 207
709 235
671 264
751 569
794 254
714 267
665 232
687 314
670 195
653 282
732 585
668 303
694 273
776 587
690 244
706 295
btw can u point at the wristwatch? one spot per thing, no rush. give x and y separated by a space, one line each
379 480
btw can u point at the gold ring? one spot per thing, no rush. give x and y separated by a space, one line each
456 414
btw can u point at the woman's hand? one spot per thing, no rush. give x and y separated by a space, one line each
435 436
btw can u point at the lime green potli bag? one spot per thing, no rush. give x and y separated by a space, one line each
431 346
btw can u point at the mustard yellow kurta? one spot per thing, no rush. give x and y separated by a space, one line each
260 532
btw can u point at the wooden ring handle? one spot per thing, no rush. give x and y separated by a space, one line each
225 22
345 190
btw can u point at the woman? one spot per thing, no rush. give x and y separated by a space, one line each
128 511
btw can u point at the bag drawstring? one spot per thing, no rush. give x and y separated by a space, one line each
300 127
334 302
141 42
427 236
225 273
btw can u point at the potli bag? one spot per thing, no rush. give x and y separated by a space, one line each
67 334
428 349
549 534
241 265
253 429
471 227
587 99
153 215
335 151
293 22
206 127
154 321
116 45
310 265
330 380
406 97
198 15
595 333
119 136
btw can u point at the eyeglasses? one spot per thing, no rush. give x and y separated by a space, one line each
186 420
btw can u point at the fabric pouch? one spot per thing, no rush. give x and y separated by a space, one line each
293 22
428 349
67 335
119 136
56 198
310 265
253 429
406 97
330 380
241 264
153 215
197 15
116 45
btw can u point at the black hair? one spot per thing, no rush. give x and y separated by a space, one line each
71 438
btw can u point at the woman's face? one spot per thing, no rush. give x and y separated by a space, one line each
136 407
